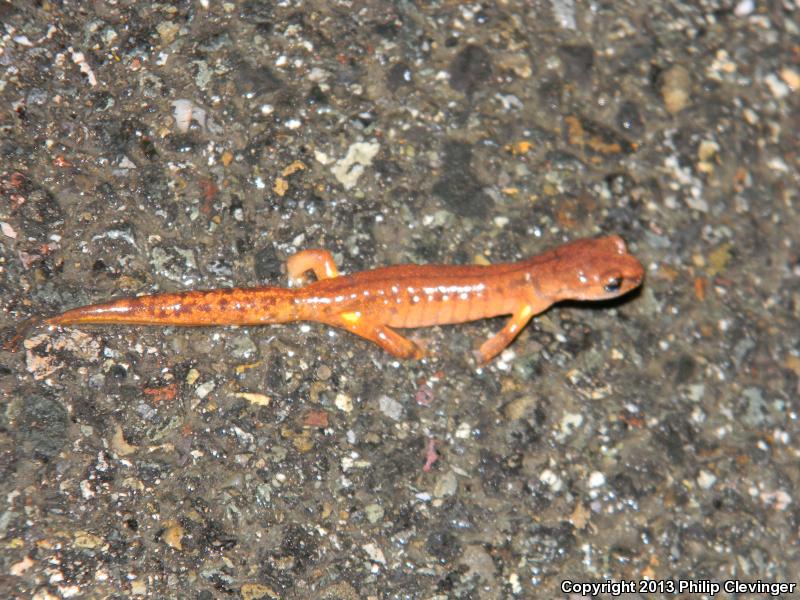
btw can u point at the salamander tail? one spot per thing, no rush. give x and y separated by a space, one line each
12 337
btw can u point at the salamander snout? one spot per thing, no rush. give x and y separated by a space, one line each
617 283
621 275
597 269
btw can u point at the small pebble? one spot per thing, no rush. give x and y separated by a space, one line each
344 402
597 479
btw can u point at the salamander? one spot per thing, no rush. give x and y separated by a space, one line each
373 303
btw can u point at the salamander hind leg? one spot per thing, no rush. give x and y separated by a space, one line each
388 339
319 261
496 344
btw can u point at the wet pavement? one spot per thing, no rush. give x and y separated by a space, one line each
150 147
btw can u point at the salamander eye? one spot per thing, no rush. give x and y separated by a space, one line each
613 285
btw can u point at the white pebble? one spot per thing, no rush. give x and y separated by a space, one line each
596 479
744 8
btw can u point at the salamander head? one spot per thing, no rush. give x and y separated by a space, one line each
595 269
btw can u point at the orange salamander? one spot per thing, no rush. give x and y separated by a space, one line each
372 303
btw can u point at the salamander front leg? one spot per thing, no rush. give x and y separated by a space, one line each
496 344
387 338
319 261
